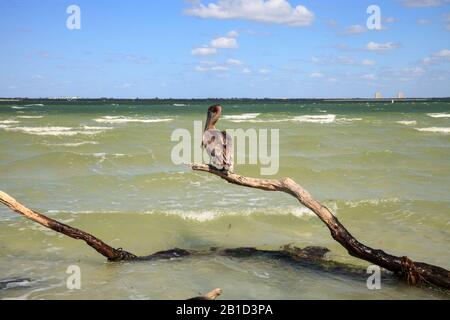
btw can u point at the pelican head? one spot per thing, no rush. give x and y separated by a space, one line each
213 116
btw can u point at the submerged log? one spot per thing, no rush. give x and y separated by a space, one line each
309 257
412 272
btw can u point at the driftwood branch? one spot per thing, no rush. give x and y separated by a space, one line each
109 252
310 257
410 271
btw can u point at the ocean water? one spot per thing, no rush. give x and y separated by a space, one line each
382 168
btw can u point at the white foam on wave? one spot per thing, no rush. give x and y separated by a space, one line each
34 105
322 119
245 116
74 144
97 128
8 121
53 131
348 120
18 108
123 119
214 214
261 120
30 117
434 130
180 105
371 202
439 115
407 122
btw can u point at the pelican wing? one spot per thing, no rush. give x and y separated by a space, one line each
219 147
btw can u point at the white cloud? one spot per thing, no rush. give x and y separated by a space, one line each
368 62
224 43
381 47
219 68
268 11
331 60
211 68
354 29
316 75
235 62
264 71
246 71
204 51
341 60
369 76
233 34
424 3
207 62
447 21
423 21
445 53
38 77
438 57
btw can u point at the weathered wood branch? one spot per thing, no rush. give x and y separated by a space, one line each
410 271
309 257
109 252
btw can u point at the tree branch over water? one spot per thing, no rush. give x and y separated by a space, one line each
109 252
412 272
310 257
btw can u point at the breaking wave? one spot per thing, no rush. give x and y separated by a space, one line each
30 117
439 115
74 144
210 215
123 119
408 123
245 116
323 119
434 129
8 122
320 119
53 131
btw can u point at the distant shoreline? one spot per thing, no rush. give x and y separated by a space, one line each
182 102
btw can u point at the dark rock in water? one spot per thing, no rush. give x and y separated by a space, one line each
312 252
14 283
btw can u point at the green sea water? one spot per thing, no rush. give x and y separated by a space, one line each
382 168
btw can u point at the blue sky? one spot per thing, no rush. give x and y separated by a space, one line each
224 48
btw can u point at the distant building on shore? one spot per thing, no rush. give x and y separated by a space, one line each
401 95
378 95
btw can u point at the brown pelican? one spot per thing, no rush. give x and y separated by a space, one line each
218 144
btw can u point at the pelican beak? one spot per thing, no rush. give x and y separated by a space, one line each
208 120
